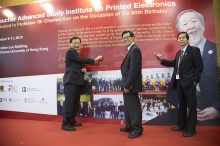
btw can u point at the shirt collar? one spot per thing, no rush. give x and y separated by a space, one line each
184 49
201 46
130 46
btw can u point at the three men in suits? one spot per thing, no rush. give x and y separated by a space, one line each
73 81
188 67
131 85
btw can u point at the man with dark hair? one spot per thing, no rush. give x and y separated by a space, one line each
89 112
73 82
97 85
98 111
188 67
112 110
116 111
131 85
121 110
207 90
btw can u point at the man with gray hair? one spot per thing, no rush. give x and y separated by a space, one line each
207 90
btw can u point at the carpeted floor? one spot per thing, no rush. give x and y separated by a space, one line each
15 132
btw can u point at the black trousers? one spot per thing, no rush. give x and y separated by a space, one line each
132 112
187 98
72 94
116 114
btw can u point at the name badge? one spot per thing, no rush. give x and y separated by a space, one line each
177 76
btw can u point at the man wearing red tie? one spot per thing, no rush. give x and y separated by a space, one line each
188 67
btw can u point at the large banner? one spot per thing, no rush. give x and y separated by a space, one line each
35 37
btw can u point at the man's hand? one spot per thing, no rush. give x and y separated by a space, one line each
209 113
126 91
159 56
84 70
98 58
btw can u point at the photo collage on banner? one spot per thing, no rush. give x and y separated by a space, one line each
155 25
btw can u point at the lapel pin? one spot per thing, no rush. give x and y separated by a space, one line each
210 51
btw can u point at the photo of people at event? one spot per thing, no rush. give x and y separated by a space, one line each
86 94
157 83
96 100
86 109
110 107
153 106
60 94
153 80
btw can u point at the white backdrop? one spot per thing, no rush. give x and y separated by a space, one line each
32 94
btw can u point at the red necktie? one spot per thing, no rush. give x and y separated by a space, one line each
181 54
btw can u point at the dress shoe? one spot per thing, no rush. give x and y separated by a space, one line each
76 124
134 134
68 128
126 129
177 129
188 134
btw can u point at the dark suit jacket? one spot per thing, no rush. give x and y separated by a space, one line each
190 67
131 70
209 84
209 79
82 111
74 64
90 113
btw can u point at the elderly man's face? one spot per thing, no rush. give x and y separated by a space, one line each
190 23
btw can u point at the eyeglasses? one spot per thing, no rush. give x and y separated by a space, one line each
75 43
125 38
179 38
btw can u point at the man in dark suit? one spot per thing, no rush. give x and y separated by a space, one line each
131 85
98 111
81 110
112 110
207 91
73 82
104 85
89 112
121 110
87 87
116 111
96 85
188 67
100 85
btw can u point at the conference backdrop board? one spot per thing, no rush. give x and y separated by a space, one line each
35 37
